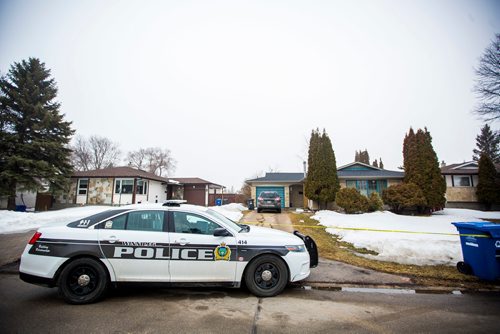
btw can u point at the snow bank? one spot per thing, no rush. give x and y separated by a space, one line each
16 222
231 211
406 248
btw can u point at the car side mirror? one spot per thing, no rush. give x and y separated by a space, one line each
221 232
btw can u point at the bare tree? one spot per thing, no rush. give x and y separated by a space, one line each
81 154
95 153
487 84
152 159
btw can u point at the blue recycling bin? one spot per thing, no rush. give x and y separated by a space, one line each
480 248
20 208
218 201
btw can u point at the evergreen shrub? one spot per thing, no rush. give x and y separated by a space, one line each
351 201
404 196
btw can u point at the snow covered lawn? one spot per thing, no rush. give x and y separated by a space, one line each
406 248
16 222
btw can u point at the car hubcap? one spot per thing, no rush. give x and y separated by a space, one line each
83 280
267 275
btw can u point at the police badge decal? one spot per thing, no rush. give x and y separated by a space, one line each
222 252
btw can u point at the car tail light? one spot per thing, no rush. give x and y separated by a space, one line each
34 238
278 199
260 199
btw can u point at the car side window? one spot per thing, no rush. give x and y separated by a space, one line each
145 220
116 223
190 223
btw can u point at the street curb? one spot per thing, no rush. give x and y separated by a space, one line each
401 288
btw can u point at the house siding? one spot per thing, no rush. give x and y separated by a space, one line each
461 194
100 191
156 192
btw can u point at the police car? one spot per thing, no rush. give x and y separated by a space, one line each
172 244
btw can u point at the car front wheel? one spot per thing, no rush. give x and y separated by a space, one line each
83 281
266 276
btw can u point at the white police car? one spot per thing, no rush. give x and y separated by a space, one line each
172 244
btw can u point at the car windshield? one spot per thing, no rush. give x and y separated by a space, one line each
224 219
268 195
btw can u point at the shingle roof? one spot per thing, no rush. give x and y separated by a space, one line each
193 180
280 177
467 170
373 173
114 172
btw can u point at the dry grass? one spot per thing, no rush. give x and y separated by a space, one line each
330 247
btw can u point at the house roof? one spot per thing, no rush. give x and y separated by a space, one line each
116 172
193 180
280 177
356 170
464 168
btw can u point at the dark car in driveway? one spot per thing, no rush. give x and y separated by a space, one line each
269 200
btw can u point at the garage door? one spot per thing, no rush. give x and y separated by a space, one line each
279 190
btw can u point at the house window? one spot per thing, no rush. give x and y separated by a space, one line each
350 184
142 187
83 185
366 187
124 186
462 181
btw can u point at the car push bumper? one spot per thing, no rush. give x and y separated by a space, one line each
311 248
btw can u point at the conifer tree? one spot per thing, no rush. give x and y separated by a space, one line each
375 163
487 142
422 168
380 164
362 156
488 187
34 136
321 182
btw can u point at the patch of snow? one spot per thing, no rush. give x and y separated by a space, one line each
406 248
17 222
231 211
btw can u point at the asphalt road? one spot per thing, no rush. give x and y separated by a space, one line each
26 308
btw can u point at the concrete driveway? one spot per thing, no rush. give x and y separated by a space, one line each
279 221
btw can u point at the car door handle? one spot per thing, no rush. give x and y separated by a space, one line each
181 242
112 239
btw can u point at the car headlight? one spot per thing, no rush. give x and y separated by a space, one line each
296 248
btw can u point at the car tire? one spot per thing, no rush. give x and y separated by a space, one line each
266 276
83 281
279 210
258 210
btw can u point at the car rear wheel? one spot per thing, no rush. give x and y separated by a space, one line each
83 281
266 276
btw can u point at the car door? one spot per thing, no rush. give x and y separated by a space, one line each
136 245
196 254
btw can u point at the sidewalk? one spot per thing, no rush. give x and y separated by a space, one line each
13 246
329 271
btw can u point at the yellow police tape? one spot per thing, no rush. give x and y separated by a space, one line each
370 229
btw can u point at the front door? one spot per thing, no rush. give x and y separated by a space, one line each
136 245
196 254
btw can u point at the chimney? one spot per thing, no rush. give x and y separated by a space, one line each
443 164
305 169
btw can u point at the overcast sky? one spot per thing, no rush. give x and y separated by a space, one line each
233 88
